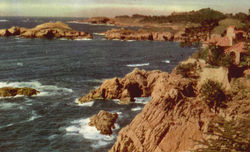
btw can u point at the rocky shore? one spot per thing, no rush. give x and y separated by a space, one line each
49 30
125 34
177 116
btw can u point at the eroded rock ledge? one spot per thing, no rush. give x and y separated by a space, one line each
11 92
49 30
138 83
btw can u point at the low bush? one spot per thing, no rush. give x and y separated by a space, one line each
213 94
186 70
228 136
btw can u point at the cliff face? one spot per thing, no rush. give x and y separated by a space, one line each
169 122
176 117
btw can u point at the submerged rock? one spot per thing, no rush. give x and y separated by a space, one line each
104 122
11 92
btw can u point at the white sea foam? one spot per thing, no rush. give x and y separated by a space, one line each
116 100
131 40
136 109
101 34
7 105
82 39
19 64
142 100
87 104
33 116
82 128
4 20
166 61
51 137
4 126
45 90
119 112
138 65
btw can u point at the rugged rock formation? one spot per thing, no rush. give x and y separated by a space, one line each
138 83
176 117
46 30
104 121
124 34
11 92
98 20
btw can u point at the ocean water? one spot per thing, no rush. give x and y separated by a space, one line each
64 70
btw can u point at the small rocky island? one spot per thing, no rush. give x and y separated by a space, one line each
11 91
104 122
49 30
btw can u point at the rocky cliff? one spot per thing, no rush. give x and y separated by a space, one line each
47 30
177 115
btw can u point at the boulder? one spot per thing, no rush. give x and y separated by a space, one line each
216 74
104 122
14 30
247 73
5 32
11 92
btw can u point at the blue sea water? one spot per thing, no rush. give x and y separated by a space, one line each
64 70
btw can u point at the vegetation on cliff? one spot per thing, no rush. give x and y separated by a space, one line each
228 136
201 16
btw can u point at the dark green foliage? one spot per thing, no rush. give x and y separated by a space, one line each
228 136
186 70
215 56
203 15
213 94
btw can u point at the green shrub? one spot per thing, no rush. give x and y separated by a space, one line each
186 70
213 94
229 136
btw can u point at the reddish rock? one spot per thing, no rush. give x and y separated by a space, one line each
5 32
104 122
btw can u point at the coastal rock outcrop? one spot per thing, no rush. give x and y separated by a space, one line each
49 30
176 118
98 20
104 122
138 83
11 92
125 34
169 122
